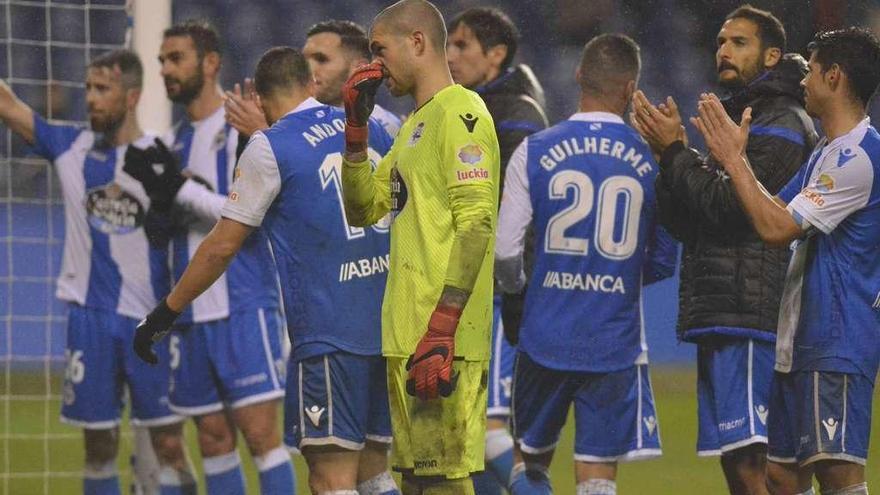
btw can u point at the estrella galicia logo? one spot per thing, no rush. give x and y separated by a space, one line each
399 193
469 121
112 210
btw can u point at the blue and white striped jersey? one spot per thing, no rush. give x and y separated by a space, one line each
207 154
107 262
829 319
587 187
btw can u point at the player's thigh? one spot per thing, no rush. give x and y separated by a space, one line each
540 404
101 445
259 425
500 370
331 467
373 460
734 377
441 437
615 417
245 350
216 433
93 386
337 399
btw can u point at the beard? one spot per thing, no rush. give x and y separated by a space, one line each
106 123
188 89
743 76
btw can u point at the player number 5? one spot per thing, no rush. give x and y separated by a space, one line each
608 211
174 350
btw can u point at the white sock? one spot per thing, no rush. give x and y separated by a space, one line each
498 442
808 492
274 457
340 492
381 483
221 463
94 471
168 476
597 487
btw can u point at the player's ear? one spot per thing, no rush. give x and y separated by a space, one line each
497 54
772 56
211 64
132 97
418 42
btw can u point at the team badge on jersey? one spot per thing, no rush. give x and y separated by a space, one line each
417 134
399 193
112 210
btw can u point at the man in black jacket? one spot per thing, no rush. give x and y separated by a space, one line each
481 45
731 282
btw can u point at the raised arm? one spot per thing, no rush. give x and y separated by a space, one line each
16 114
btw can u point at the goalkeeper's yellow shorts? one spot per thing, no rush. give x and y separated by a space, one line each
441 437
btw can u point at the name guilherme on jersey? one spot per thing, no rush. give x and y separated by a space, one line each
399 192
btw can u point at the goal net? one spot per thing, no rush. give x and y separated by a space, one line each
45 46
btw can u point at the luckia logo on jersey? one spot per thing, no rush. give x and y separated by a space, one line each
112 210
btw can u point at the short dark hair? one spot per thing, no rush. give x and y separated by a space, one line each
202 33
492 27
857 52
353 36
609 61
771 32
281 67
129 65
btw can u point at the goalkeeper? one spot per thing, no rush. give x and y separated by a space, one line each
439 181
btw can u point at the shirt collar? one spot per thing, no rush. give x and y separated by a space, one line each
306 104
597 117
856 133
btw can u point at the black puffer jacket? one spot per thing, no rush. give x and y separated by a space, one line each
516 102
731 282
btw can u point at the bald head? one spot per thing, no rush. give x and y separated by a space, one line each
407 16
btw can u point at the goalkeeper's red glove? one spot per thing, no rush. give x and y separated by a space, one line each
358 94
430 367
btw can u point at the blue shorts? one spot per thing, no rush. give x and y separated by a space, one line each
100 361
733 392
819 415
233 362
615 418
337 399
500 367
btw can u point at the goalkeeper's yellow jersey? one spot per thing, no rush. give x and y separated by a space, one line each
439 181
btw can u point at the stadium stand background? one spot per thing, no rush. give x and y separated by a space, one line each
677 39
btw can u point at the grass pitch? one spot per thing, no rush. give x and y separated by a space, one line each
32 462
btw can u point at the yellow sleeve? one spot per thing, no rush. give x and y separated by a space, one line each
471 160
365 192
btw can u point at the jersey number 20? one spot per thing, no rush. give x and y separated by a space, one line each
608 209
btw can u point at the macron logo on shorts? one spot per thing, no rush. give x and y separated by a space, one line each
314 413
650 424
762 413
830 425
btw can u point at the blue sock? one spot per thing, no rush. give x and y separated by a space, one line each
223 474
101 479
103 486
486 484
174 482
276 472
535 481
499 455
